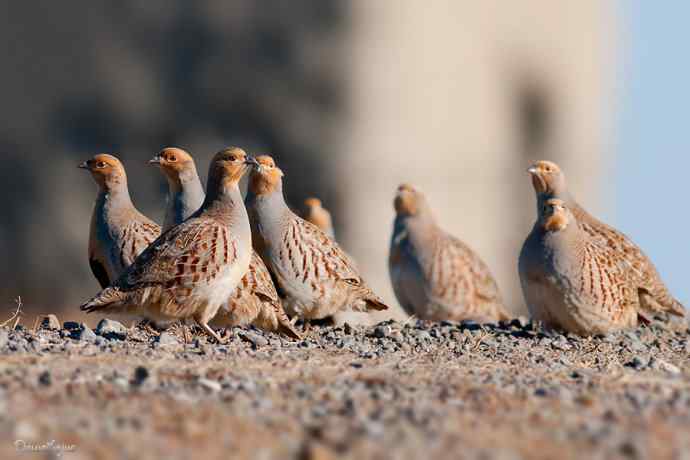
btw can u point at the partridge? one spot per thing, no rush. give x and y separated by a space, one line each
118 233
435 276
571 281
190 271
315 275
185 192
255 299
315 213
549 182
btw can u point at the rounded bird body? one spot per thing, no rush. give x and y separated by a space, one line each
192 269
435 276
571 282
315 213
549 182
315 275
118 232
254 300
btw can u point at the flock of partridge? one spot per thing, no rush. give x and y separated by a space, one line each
221 260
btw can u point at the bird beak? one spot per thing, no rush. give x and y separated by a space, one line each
84 165
533 170
251 161
155 160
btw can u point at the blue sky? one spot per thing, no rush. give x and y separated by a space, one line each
652 179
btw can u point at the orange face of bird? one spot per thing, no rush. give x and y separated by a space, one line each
312 203
230 164
172 161
406 200
265 177
546 176
105 169
555 215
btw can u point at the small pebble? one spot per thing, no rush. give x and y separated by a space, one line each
111 329
140 375
210 385
50 323
45 379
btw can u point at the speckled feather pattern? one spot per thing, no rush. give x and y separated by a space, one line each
255 300
549 182
572 282
118 232
655 296
435 276
317 278
193 268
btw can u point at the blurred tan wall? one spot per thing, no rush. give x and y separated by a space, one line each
351 98
458 97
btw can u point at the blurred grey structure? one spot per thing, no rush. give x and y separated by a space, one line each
350 97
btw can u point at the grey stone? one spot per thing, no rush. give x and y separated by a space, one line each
660 364
111 329
210 385
140 375
383 330
45 378
166 338
71 326
255 339
85 334
50 322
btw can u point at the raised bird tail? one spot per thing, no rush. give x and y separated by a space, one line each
677 308
374 303
108 298
288 330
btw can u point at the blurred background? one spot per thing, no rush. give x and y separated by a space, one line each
351 98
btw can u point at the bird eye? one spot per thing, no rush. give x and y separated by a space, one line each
101 164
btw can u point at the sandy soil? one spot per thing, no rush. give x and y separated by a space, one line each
416 390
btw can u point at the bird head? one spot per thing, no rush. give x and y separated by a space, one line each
107 171
312 203
173 162
266 176
547 178
555 215
408 200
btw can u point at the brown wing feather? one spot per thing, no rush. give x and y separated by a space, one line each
646 275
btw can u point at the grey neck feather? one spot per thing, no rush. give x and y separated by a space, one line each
561 192
418 229
267 210
114 197
185 197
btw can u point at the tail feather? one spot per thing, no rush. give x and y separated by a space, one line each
652 305
677 308
107 298
374 303
288 330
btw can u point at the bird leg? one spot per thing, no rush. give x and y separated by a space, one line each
212 333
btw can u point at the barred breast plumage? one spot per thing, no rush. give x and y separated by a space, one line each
435 276
118 231
572 282
192 269
316 276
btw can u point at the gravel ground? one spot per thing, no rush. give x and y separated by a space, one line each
394 390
